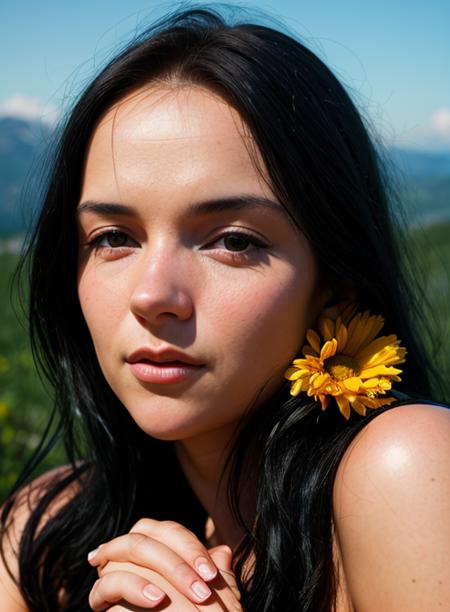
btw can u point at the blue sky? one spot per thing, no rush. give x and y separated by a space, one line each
394 56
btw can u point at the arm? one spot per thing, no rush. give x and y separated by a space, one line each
392 512
10 596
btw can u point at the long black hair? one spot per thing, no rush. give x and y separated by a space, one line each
326 172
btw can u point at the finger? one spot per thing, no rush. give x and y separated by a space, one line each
127 586
147 552
222 556
182 541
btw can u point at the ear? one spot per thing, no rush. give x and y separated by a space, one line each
336 300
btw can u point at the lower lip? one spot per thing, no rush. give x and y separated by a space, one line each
163 374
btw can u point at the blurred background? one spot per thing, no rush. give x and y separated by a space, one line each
393 57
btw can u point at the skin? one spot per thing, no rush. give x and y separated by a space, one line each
175 283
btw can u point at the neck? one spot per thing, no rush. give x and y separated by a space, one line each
203 462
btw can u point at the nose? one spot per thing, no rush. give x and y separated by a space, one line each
161 289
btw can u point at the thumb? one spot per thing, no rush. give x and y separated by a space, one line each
222 555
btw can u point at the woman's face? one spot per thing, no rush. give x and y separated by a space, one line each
184 248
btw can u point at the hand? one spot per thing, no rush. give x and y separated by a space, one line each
158 559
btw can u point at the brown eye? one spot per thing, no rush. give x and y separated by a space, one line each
116 239
112 239
236 242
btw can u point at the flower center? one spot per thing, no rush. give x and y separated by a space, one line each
341 367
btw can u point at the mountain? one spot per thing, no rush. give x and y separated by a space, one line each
22 144
424 177
418 164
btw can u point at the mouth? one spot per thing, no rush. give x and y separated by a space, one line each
163 368
175 362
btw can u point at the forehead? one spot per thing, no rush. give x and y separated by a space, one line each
181 135
166 111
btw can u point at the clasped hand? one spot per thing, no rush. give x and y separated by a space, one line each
162 565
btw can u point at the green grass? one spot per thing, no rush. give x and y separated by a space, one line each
25 405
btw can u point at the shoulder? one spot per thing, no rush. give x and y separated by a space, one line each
391 500
22 507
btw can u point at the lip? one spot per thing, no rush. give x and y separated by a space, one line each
166 366
162 356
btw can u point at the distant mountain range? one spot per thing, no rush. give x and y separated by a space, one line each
424 177
22 144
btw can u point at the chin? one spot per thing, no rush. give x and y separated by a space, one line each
171 429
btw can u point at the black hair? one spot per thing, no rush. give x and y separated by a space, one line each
325 170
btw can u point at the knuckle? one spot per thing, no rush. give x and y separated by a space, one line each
171 526
93 595
138 544
183 572
143 524
176 530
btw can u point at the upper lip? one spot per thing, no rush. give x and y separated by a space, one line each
161 356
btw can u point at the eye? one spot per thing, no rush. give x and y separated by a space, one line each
110 240
239 242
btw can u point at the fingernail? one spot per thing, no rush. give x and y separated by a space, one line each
92 554
153 593
205 570
200 590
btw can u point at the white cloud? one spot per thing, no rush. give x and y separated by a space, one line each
440 121
25 107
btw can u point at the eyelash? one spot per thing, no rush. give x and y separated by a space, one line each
235 256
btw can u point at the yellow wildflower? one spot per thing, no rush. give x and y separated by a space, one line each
348 362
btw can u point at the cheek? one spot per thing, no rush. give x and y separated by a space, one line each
263 325
101 306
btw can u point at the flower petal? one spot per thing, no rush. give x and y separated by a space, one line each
344 405
319 380
375 402
359 407
313 339
348 313
341 337
373 326
295 373
362 330
370 350
324 400
326 328
352 384
328 349
308 350
300 362
380 370
296 388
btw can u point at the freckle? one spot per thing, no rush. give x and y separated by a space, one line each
413 580
439 581
433 479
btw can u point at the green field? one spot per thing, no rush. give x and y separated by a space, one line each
25 405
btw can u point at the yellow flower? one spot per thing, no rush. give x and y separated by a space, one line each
349 364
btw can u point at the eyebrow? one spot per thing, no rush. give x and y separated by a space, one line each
238 202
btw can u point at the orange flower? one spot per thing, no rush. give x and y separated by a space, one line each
348 362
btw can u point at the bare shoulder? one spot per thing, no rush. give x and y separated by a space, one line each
391 501
23 505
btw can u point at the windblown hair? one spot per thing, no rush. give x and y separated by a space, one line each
327 174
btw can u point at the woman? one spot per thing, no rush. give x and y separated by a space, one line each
213 264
